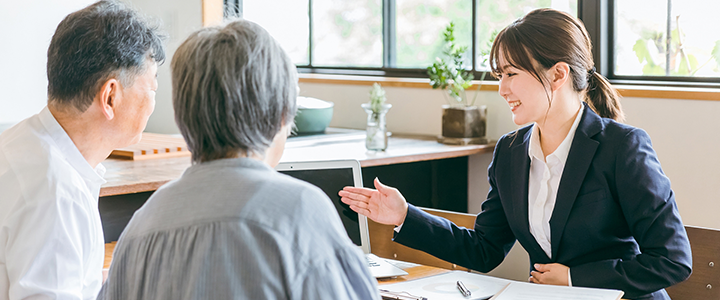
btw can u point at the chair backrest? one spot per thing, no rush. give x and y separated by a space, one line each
704 283
381 243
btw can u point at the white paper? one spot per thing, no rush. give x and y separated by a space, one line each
444 286
530 291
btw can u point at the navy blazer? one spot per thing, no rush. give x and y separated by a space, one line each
615 221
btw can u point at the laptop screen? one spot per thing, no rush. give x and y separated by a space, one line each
331 181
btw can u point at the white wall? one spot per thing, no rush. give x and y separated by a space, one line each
26 28
179 18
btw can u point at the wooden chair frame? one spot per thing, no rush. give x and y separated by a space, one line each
381 243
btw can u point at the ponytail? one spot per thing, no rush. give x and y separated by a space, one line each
603 98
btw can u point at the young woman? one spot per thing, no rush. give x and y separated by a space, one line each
581 192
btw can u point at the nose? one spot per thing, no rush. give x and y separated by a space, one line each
503 89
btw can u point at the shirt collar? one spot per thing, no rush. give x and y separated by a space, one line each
535 150
69 150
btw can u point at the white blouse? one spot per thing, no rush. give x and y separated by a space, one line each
51 238
543 182
545 173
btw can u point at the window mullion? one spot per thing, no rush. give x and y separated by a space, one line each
389 45
597 15
668 37
310 34
474 36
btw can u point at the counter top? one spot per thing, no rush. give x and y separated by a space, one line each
128 176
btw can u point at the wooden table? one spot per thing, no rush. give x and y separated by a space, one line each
127 176
415 271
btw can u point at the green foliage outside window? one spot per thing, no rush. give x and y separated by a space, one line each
681 63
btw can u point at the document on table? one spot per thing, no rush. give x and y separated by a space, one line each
444 286
530 291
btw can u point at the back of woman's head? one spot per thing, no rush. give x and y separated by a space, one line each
549 36
233 90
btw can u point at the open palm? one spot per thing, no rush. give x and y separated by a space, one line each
385 205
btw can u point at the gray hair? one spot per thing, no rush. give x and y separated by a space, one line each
233 90
104 40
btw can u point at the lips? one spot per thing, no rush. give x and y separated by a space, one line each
514 104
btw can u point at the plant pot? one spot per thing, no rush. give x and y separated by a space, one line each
463 125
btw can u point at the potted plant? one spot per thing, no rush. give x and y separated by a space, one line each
462 121
376 127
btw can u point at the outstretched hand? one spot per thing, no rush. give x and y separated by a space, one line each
384 205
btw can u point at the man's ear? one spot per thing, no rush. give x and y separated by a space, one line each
108 96
558 74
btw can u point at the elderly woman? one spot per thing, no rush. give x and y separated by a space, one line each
232 227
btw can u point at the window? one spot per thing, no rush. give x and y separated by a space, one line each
384 37
668 42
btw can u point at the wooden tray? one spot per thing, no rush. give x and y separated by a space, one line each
153 145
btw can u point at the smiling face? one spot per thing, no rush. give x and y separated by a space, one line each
525 95
137 104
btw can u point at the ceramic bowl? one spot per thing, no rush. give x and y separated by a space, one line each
313 115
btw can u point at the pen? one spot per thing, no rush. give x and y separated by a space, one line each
463 290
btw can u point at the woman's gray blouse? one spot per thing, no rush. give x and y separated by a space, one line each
237 229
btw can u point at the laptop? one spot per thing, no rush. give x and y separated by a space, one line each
331 177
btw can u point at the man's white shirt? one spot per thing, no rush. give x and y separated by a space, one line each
51 238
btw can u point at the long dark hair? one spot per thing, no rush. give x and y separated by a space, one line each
549 36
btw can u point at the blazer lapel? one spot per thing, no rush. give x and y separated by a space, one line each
578 161
520 168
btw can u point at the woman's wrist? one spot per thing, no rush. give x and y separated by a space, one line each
401 220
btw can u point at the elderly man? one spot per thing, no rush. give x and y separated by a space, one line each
102 64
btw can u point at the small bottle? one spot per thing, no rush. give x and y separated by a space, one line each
376 129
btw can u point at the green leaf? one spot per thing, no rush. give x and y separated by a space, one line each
716 52
641 51
653 69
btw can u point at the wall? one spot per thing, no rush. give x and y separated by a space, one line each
27 27
179 19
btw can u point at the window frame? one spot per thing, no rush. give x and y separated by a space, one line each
597 15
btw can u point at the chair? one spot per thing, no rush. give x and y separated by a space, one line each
381 243
704 282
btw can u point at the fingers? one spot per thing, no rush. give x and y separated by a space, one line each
381 187
362 211
541 268
535 277
357 190
354 196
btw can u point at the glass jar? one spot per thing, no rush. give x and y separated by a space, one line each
376 129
